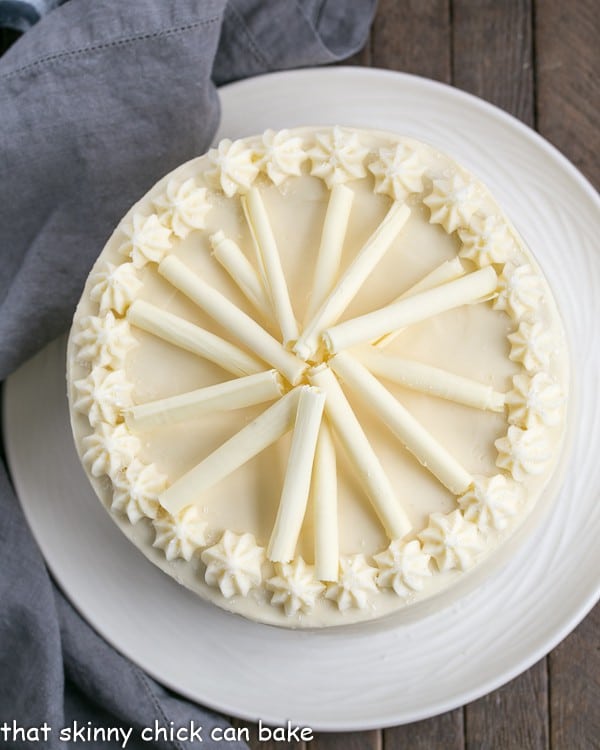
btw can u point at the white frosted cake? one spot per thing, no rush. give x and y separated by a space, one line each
316 376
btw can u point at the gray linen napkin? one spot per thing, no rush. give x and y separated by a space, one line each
97 101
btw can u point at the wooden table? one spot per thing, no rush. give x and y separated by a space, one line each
540 61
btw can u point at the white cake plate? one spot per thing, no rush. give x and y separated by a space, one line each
362 677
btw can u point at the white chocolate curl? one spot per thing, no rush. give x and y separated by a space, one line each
270 262
296 485
324 497
362 456
431 380
233 394
470 288
235 452
233 260
330 249
353 278
224 312
192 338
446 271
433 456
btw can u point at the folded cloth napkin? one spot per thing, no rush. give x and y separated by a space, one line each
97 101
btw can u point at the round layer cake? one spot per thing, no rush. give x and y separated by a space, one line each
316 376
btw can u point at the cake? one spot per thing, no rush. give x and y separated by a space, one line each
317 377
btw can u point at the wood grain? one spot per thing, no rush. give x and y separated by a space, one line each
347 741
492 45
574 671
444 732
567 40
413 36
515 716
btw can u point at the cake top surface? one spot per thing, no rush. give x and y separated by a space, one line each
317 375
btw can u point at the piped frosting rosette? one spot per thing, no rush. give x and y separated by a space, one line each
190 321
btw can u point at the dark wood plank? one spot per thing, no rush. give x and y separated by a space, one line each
347 741
567 41
444 732
493 53
515 716
574 670
413 36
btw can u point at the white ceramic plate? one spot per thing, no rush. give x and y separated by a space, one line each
360 677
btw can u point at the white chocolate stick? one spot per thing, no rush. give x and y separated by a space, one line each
426 449
232 318
296 485
270 262
330 249
324 497
235 452
411 310
431 380
446 271
352 279
233 394
233 260
362 456
186 335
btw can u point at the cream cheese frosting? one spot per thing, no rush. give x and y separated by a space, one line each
519 290
294 587
109 449
317 376
281 155
183 207
531 345
355 585
115 287
338 156
451 540
452 201
147 240
103 395
136 491
180 535
234 564
403 566
104 340
398 172
486 240
491 502
234 167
